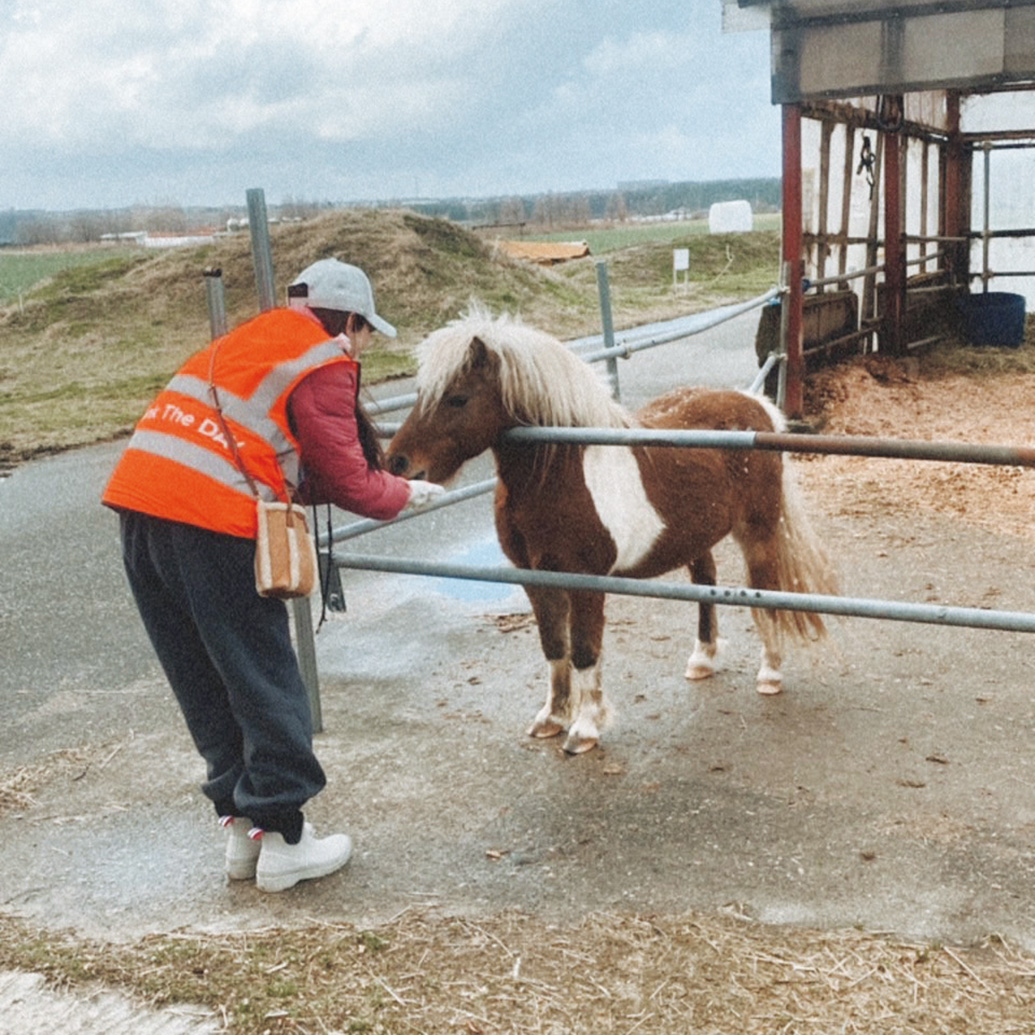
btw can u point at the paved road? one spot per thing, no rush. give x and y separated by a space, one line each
889 787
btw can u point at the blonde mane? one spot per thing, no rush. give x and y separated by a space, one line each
541 381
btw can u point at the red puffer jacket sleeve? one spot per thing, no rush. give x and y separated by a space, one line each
322 411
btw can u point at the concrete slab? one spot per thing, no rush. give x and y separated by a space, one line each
889 788
27 1005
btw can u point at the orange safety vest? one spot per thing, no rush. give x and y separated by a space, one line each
178 464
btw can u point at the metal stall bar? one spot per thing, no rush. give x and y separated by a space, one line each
216 296
675 330
759 382
777 441
739 596
607 322
358 528
792 256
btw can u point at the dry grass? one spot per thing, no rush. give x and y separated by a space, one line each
515 973
19 786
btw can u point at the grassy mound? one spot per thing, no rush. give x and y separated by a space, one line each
86 350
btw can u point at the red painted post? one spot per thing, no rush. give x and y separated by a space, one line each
893 330
792 259
955 198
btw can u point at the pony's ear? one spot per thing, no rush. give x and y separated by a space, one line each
478 355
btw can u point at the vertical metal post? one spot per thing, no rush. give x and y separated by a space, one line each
792 256
869 299
604 291
846 204
893 340
986 237
822 243
262 250
955 194
216 302
301 610
925 172
786 269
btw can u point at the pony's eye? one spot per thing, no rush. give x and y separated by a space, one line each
456 402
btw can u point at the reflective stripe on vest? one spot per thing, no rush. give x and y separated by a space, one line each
252 413
198 458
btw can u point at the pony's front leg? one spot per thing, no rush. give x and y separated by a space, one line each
551 607
590 708
705 660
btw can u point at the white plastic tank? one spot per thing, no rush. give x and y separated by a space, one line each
730 217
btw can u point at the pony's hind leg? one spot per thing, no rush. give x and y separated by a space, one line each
551 607
769 680
760 556
590 710
704 661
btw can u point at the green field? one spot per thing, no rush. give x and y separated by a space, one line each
630 235
22 270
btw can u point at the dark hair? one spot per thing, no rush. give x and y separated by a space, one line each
368 439
334 320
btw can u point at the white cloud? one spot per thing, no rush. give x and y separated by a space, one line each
350 98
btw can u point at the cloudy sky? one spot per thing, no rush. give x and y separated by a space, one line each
109 103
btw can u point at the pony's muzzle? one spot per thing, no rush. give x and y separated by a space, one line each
399 464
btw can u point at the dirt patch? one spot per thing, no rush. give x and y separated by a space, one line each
922 398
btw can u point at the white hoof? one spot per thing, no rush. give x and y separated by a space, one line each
769 681
578 743
545 727
705 661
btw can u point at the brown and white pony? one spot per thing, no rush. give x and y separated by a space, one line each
603 509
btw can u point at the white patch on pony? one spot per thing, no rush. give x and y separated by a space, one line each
769 681
592 712
613 479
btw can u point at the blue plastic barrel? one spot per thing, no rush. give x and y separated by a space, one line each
993 318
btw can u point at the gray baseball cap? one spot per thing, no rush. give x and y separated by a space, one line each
332 284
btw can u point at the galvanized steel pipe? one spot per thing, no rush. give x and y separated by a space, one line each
849 445
852 607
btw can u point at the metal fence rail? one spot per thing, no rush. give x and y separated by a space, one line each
857 607
785 442
903 611
772 441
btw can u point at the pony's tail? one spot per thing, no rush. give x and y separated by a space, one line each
802 564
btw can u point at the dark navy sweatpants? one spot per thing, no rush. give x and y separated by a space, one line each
228 656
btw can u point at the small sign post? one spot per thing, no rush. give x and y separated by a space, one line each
680 264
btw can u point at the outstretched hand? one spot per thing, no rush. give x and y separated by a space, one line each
422 493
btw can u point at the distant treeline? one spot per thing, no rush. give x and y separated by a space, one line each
641 200
629 201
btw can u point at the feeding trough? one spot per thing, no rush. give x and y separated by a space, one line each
993 318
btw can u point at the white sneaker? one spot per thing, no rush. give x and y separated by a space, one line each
282 866
242 853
